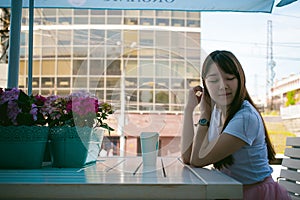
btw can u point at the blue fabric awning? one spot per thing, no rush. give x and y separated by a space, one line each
186 5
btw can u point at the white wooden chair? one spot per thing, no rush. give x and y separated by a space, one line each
290 171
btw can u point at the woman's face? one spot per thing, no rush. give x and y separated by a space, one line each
221 86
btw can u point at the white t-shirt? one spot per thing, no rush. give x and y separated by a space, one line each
215 127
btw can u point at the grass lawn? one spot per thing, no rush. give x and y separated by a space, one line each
278 134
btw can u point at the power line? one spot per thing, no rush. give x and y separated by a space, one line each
284 44
284 15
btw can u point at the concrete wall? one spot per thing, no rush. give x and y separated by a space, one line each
291 118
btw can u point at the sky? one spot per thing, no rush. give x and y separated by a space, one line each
246 35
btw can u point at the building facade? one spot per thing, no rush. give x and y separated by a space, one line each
142 61
281 88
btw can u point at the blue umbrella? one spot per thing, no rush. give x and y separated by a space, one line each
285 2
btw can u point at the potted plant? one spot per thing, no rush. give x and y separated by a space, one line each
23 136
76 126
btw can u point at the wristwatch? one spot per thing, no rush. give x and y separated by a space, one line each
203 122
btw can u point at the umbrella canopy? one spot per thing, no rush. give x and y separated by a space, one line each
186 5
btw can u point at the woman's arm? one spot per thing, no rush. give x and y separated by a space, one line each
205 152
187 136
211 152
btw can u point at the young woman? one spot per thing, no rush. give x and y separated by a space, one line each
231 133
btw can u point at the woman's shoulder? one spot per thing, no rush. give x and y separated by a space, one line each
248 110
247 106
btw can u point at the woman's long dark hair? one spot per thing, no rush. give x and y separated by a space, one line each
226 61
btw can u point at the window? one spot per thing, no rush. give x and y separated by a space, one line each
131 68
35 82
97 67
49 12
97 37
48 67
63 82
65 20
193 23
63 37
80 51
146 21
36 68
97 12
48 82
80 82
130 82
81 20
79 67
113 67
97 82
114 20
146 68
113 82
162 22
162 39
178 22
64 67
162 69
97 20
80 37
49 38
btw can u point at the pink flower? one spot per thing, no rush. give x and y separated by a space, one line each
83 106
39 100
69 106
76 109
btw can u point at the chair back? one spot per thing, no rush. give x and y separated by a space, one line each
290 172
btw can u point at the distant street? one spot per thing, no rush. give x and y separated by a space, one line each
272 118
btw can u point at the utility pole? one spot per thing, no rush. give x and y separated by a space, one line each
270 73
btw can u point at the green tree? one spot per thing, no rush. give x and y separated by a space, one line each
290 98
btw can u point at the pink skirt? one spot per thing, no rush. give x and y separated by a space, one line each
265 190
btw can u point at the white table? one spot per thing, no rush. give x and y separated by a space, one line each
119 178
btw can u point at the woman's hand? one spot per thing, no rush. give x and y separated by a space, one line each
198 90
205 105
194 97
187 138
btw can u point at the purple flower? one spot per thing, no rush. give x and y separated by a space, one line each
10 95
18 108
14 110
34 111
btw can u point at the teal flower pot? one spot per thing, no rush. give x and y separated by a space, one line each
70 147
22 147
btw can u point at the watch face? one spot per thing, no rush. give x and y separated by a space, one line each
203 122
